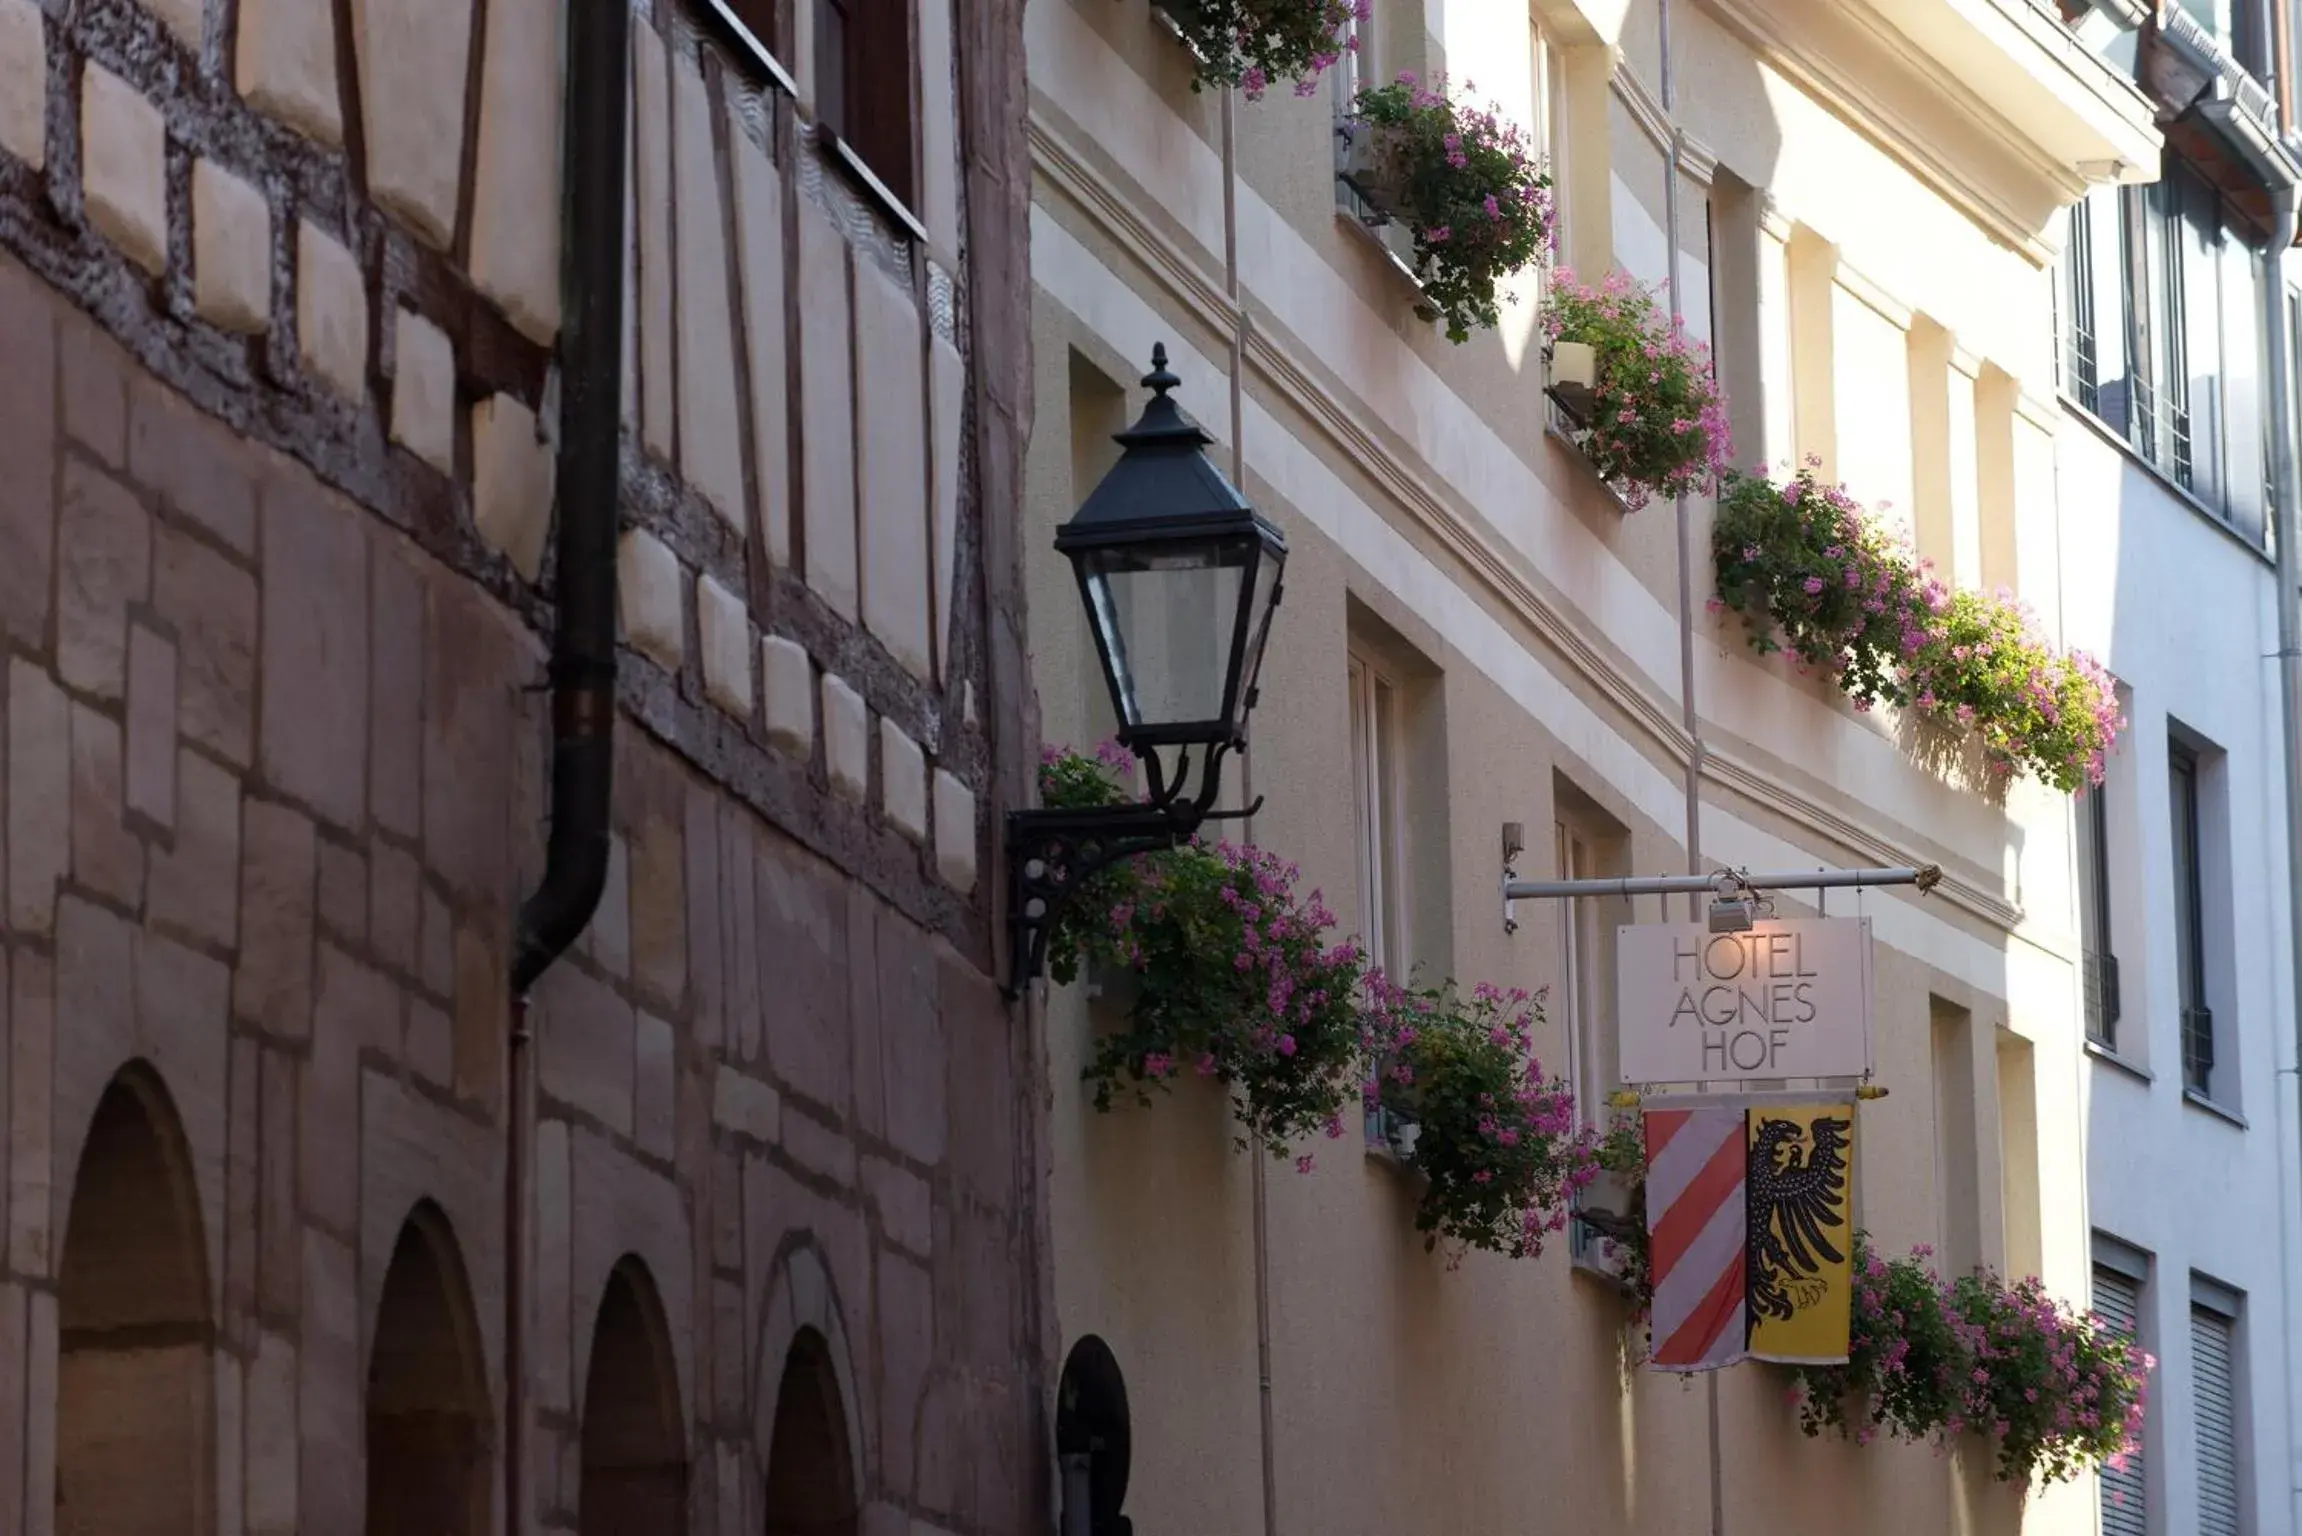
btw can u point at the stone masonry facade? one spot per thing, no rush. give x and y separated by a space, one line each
278 303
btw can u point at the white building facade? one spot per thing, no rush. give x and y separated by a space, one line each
2168 500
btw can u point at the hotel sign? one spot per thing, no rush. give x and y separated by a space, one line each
1791 997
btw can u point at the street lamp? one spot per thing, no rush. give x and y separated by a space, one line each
1180 578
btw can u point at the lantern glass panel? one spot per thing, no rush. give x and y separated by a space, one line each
1167 618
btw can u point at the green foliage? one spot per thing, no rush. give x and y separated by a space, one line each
1809 571
2056 1392
1233 975
1658 423
1250 43
1477 199
1500 1146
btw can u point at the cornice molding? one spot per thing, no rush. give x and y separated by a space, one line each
1059 168
1906 141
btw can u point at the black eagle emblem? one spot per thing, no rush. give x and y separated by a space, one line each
1795 1185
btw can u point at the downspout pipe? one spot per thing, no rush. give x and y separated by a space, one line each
2288 534
583 659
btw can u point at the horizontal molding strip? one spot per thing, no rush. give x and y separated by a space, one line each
1061 168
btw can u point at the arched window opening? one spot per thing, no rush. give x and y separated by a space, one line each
427 1415
133 1370
809 1490
1093 1441
634 1455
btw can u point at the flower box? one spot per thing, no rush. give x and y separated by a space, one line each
1464 181
1645 403
1251 43
1574 376
1369 162
1400 1133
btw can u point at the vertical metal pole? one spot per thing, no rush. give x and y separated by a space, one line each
2288 532
1689 716
1255 1152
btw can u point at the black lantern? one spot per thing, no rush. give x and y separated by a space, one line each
1180 578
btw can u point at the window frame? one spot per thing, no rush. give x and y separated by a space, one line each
1378 819
760 51
2220 1309
2080 354
2124 1265
855 125
2098 955
2185 772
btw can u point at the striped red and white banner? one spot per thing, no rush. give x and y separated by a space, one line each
1696 1228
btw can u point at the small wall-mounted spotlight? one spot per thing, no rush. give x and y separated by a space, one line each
1733 914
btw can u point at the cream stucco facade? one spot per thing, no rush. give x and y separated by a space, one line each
1871 204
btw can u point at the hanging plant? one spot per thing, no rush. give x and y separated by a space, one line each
1250 43
1499 1142
1653 419
2057 1392
1235 977
1466 182
1811 572
1620 1230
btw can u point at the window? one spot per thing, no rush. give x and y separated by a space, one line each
2214 1389
1375 806
1550 125
2079 362
863 85
2099 965
2182 773
1589 845
2120 1273
2172 368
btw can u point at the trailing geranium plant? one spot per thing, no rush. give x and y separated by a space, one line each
1500 1143
1657 421
1236 977
1811 572
2056 1392
1475 196
1251 43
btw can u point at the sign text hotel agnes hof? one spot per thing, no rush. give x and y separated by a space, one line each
1789 998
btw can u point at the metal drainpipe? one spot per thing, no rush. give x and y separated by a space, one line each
2288 533
583 658
1690 717
1256 1152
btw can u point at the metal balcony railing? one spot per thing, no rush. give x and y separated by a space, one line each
2100 973
2198 1050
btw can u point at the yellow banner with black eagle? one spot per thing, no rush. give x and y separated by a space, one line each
1799 1247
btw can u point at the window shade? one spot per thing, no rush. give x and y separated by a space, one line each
2125 1490
2214 1390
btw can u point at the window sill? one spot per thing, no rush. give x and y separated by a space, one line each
2109 1057
2166 482
2199 1101
736 35
869 184
1358 224
1560 428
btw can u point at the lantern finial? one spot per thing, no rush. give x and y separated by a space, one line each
1159 380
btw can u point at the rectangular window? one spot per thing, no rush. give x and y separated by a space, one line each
2119 1277
2190 922
2081 364
2099 963
1589 844
2214 1387
864 85
1375 790
2170 295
